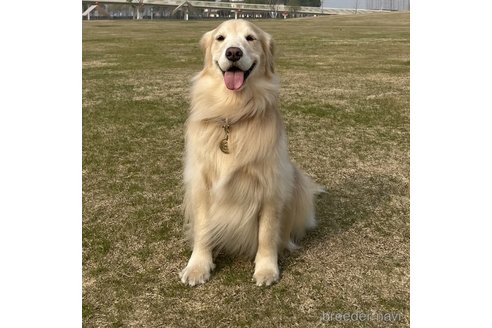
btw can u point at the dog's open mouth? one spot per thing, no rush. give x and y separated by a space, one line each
234 77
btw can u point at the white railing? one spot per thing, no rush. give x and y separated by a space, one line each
239 6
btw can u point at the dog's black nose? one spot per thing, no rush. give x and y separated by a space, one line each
234 54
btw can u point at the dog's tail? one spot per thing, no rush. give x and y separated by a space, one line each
301 210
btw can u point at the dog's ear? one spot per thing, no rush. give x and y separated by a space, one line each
205 43
269 49
206 40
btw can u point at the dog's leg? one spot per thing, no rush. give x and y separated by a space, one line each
201 262
266 266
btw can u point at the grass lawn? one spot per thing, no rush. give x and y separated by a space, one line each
345 101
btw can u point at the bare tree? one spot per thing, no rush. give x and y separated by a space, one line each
137 8
293 7
274 4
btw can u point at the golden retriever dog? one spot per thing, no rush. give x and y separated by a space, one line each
243 195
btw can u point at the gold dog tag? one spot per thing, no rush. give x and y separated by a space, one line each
224 146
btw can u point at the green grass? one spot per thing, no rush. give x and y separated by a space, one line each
345 102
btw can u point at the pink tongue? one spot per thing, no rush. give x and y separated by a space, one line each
233 80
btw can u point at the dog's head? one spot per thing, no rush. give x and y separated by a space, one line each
238 52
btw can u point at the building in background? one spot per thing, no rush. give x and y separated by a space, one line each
397 5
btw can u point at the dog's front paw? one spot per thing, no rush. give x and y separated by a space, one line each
196 272
265 275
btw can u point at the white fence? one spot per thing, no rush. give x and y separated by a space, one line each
243 7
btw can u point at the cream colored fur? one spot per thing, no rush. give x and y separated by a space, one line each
253 201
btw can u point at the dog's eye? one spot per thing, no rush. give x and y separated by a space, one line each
250 38
220 38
